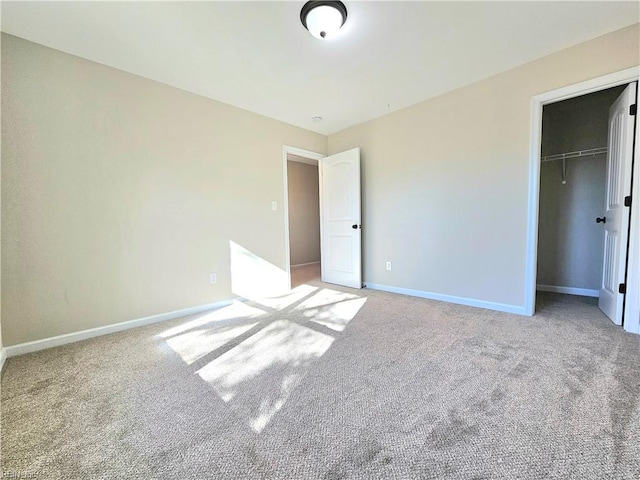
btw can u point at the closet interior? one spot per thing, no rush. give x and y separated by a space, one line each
572 193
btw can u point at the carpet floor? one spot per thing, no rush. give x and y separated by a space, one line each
332 383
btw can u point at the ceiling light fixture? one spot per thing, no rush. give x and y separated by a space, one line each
323 19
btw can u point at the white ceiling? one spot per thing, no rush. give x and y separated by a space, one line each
258 56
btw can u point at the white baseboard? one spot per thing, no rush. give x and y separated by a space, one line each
28 347
501 307
584 292
3 357
304 264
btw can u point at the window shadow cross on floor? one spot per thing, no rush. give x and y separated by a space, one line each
276 314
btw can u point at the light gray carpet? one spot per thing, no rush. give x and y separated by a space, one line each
408 388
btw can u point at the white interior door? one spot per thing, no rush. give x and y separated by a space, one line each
616 215
341 232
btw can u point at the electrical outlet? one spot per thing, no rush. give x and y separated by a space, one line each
274 205
213 278
388 265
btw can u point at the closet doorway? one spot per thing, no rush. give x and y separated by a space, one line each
585 179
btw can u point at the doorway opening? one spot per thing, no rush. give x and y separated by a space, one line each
573 179
584 235
303 202
338 216
303 167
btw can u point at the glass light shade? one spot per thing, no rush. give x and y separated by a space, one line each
324 21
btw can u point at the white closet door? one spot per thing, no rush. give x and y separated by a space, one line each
616 224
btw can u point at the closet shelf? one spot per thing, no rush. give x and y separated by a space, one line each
576 154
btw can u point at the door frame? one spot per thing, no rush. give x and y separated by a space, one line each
286 149
632 303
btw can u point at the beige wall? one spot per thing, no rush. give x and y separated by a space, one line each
1 344
304 213
2 356
570 242
445 182
120 195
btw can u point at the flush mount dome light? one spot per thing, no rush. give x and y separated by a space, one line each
323 19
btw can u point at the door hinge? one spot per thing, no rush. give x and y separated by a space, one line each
627 201
633 109
622 288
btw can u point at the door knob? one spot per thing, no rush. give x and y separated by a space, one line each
601 220
355 227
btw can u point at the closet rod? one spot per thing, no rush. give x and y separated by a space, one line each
576 154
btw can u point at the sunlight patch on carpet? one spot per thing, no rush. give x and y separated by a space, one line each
335 316
258 375
230 314
283 301
326 296
193 345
